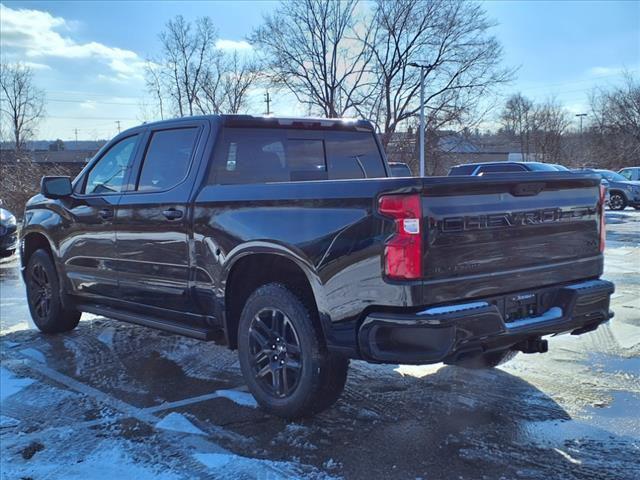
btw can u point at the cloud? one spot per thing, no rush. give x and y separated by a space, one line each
35 33
37 66
223 44
611 71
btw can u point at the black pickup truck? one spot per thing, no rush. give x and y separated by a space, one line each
285 239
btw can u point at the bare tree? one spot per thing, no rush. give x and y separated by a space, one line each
241 75
517 119
156 85
550 123
22 103
453 41
311 48
192 76
188 51
614 134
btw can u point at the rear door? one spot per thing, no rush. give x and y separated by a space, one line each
153 220
507 232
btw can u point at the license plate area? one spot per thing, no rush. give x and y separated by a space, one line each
523 305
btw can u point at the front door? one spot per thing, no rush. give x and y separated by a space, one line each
88 250
153 223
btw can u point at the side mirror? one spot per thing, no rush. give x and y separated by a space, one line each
56 187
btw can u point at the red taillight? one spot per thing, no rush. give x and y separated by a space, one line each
403 250
603 228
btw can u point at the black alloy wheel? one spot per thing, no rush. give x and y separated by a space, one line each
51 310
275 350
40 291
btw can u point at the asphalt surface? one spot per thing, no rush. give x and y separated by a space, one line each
111 400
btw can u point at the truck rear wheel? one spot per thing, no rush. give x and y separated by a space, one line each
486 360
43 296
281 356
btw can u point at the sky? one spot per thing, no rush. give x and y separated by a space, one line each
89 56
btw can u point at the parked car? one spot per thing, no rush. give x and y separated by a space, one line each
8 233
399 169
286 236
631 173
479 169
622 192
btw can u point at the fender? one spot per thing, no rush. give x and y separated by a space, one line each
307 267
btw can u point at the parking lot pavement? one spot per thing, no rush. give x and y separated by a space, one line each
112 400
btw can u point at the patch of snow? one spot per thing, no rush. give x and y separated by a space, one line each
229 465
452 308
178 423
10 384
241 398
36 355
108 461
6 422
553 313
106 336
568 457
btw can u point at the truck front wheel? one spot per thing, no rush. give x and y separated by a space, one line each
282 359
43 295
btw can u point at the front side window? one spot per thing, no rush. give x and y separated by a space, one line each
626 174
167 159
108 174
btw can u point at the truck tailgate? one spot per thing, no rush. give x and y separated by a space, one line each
508 232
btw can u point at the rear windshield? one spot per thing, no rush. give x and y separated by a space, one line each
264 155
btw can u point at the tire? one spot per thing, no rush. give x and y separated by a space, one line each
298 377
617 201
486 360
43 296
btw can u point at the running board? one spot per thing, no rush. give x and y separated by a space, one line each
159 324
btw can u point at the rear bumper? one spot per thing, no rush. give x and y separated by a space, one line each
445 333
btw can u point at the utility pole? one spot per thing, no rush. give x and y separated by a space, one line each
76 132
267 100
422 122
581 116
118 123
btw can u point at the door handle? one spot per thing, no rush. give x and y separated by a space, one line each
172 214
105 213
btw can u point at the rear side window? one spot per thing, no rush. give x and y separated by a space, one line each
248 155
353 155
500 169
167 159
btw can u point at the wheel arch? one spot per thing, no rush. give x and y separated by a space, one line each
257 265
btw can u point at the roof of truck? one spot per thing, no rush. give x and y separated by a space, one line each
278 122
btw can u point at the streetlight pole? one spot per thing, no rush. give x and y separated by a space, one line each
422 123
581 115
